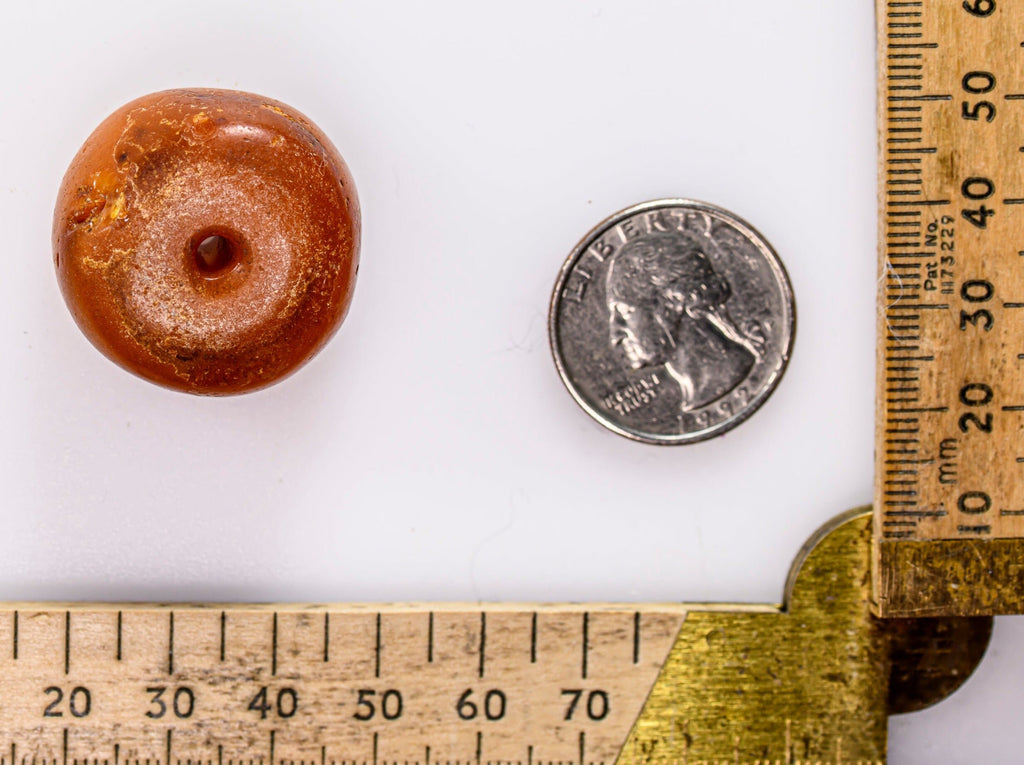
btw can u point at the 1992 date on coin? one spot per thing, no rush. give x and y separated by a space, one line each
672 321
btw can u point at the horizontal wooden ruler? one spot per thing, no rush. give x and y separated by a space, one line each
352 685
469 684
949 497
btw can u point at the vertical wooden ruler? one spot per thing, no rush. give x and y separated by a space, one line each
949 499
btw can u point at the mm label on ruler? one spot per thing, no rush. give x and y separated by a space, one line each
949 498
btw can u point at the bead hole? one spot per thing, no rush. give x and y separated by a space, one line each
214 255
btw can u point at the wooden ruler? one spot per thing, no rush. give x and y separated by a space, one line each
949 495
472 685
329 686
809 682
325 686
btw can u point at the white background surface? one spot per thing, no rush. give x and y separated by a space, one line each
431 452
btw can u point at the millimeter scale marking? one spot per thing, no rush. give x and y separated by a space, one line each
949 494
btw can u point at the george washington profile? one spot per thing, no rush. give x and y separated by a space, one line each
667 306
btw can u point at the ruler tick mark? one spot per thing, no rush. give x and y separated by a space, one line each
119 632
327 637
979 530
586 642
170 643
430 639
533 638
67 644
223 629
273 651
483 641
376 660
15 650
636 637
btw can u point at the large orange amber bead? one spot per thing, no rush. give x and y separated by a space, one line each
207 240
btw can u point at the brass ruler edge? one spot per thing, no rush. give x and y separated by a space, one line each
936 577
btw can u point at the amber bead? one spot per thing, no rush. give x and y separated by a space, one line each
207 240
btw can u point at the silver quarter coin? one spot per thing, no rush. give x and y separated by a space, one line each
672 322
